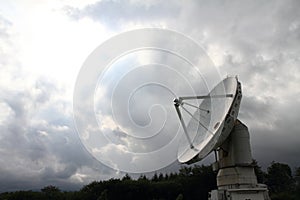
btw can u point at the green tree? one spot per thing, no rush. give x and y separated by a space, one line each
142 178
52 192
297 172
103 195
261 175
185 171
279 178
297 178
126 177
160 177
155 177
92 190
179 197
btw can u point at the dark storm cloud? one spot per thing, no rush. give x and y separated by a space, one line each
273 129
37 149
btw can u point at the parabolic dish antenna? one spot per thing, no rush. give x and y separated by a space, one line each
212 121
214 126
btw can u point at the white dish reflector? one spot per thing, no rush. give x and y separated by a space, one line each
211 123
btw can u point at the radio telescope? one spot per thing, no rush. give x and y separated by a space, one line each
214 127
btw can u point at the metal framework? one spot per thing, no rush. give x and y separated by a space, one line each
179 103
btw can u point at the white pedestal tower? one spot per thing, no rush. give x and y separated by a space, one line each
236 179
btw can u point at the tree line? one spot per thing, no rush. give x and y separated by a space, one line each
188 183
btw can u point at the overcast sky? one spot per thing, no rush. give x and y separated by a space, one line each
43 45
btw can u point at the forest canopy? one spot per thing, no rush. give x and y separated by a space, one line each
190 182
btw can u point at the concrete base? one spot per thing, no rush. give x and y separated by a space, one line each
236 177
256 193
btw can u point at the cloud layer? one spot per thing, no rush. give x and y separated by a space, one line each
258 41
